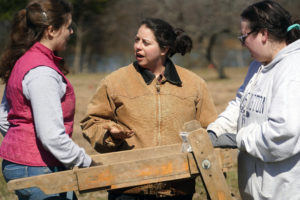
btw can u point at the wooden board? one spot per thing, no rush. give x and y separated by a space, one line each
50 184
139 172
208 165
162 164
139 167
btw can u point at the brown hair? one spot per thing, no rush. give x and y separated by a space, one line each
176 39
272 16
28 27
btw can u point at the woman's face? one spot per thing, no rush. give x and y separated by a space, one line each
255 42
62 35
250 40
147 50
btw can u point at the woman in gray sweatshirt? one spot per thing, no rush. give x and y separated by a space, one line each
265 116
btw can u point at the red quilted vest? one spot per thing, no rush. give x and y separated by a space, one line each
20 144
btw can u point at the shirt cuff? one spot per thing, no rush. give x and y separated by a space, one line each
239 142
214 127
87 161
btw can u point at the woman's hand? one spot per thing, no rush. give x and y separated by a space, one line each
94 163
226 140
117 133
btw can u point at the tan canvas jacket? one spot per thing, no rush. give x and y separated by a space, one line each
132 98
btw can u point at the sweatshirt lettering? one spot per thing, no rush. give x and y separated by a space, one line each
254 103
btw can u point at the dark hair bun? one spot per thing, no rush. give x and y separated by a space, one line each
183 43
175 39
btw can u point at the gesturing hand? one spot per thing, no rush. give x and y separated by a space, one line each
117 133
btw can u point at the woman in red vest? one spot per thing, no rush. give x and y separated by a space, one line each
39 101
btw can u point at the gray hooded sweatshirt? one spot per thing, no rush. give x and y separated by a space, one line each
266 118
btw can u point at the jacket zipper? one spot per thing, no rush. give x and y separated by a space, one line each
159 111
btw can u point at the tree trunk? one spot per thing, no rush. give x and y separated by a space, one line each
209 54
78 47
86 59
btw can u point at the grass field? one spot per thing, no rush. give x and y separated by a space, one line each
85 85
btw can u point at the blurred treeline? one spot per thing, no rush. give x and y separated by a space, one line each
105 30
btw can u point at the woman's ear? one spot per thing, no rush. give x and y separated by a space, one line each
164 51
49 32
265 35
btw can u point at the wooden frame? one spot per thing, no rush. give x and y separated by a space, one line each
139 167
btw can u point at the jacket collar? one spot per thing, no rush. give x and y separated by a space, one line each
48 52
170 73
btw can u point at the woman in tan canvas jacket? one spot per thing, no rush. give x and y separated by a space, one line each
146 103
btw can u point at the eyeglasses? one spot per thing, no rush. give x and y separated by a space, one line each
243 38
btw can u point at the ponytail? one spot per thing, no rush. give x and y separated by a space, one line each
293 32
19 43
28 27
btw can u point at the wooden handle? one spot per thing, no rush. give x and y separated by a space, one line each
208 165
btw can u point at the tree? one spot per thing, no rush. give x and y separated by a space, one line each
206 21
84 16
106 29
203 20
8 9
